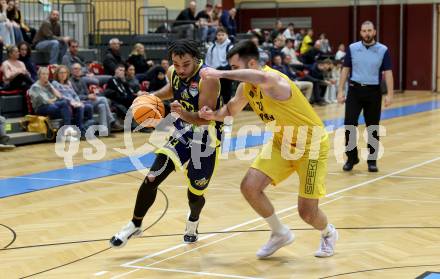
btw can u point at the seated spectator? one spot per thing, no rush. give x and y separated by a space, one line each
263 55
47 101
83 112
324 44
4 139
49 38
299 38
332 89
278 45
156 78
138 59
267 41
317 76
25 57
71 57
277 64
6 27
340 54
307 42
289 33
113 57
312 55
290 51
278 30
207 27
15 74
164 63
130 77
15 26
184 24
217 14
119 92
100 104
216 58
14 15
227 20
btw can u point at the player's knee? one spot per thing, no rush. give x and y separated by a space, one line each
307 213
247 189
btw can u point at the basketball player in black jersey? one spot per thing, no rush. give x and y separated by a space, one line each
193 136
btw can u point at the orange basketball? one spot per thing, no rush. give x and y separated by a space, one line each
147 110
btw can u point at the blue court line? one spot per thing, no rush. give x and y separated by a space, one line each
432 276
60 177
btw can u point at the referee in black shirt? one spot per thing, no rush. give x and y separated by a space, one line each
365 62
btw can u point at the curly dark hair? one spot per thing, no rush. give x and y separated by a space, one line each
184 46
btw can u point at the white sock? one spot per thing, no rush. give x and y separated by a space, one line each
327 231
275 224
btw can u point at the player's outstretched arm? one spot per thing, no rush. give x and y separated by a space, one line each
166 92
234 106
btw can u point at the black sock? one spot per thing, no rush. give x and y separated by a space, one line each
196 204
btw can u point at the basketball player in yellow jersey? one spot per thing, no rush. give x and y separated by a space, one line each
300 144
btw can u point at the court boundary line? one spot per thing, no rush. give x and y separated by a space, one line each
356 186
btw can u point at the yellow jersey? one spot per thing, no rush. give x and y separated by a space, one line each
292 113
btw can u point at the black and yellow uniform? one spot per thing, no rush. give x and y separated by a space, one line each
300 143
189 140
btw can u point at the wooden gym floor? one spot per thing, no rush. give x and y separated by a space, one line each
389 222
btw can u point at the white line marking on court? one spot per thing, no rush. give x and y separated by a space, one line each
207 244
196 272
393 176
279 212
40 178
100 273
389 199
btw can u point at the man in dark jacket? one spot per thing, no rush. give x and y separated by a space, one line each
113 57
185 21
119 92
49 38
317 76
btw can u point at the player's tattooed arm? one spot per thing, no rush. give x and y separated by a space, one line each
234 106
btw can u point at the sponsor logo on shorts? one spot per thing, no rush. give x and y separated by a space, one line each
311 174
201 182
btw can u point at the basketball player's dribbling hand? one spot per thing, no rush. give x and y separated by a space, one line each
206 113
176 108
210 73
341 97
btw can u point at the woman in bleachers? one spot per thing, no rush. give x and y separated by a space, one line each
25 57
138 59
83 112
130 77
14 15
15 28
47 101
6 27
15 74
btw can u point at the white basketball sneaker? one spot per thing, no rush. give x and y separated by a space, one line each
275 242
121 238
191 233
328 242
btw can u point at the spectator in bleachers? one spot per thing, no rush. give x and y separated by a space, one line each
334 75
156 78
277 64
340 54
113 57
325 44
138 59
25 57
14 14
130 77
312 55
100 104
267 41
6 27
184 25
227 20
278 30
317 76
264 56
119 92
164 63
307 42
289 50
207 27
216 58
278 45
217 13
15 26
4 139
47 101
289 33
83 112
299 37
49 38
15 74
